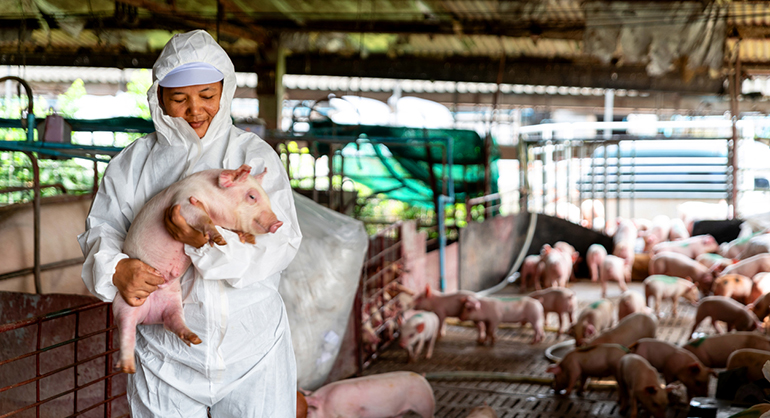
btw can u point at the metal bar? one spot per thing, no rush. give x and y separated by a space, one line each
105 402
330 192
42 186
555 159
44 267
604 194
618 183
49 348
543 186
593 188
108 365
736 92
523 175
483 199
75 365
376 258
53 315
568 157
58 395
581 158
37 369
36 212
95 187
633 178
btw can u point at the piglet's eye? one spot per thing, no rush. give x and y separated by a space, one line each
251 196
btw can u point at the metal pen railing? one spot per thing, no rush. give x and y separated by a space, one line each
88 346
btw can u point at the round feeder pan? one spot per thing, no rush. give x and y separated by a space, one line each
557 351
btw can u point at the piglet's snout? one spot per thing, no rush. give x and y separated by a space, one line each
274 227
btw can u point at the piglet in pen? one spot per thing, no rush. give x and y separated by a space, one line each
639 385
734 314
422 327
581 363
232 199
675 363
594 259
561 300
375 396
592 320
492 311
444 305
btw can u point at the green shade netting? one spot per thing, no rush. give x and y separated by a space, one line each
400 168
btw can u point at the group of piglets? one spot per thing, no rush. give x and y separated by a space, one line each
736 273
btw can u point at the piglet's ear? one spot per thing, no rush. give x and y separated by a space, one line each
261 176
229 178
428 292
420 328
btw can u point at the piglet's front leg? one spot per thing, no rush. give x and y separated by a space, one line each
196 216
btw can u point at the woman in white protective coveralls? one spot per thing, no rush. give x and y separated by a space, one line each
245 366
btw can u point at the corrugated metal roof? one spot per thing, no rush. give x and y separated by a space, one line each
552 16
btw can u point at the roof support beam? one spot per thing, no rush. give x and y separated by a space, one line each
485 70
469 69
224 27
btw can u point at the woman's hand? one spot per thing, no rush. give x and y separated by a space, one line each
135 280
177 226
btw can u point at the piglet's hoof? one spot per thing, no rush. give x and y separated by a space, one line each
129 367
190 337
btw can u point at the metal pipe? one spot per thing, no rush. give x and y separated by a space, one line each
523 175
618 182
609 113
108 366
43 267
605 154
36 214
542 181
593 187
581 158
736 91
444 199
633 178
95 186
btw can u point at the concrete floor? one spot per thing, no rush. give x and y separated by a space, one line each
513 354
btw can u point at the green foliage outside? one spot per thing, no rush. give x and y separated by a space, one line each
74 174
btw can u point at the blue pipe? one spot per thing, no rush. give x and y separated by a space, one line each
30 127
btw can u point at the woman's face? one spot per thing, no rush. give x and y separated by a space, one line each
196 104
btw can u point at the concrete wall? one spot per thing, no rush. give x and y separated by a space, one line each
489 249
422 268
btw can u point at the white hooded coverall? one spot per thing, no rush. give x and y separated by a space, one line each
245 366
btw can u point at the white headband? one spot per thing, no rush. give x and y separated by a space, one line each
191 74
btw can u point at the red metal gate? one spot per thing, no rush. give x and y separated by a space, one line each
60 365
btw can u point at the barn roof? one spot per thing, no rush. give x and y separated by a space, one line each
686 46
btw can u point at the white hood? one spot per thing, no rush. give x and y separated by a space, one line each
195 46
